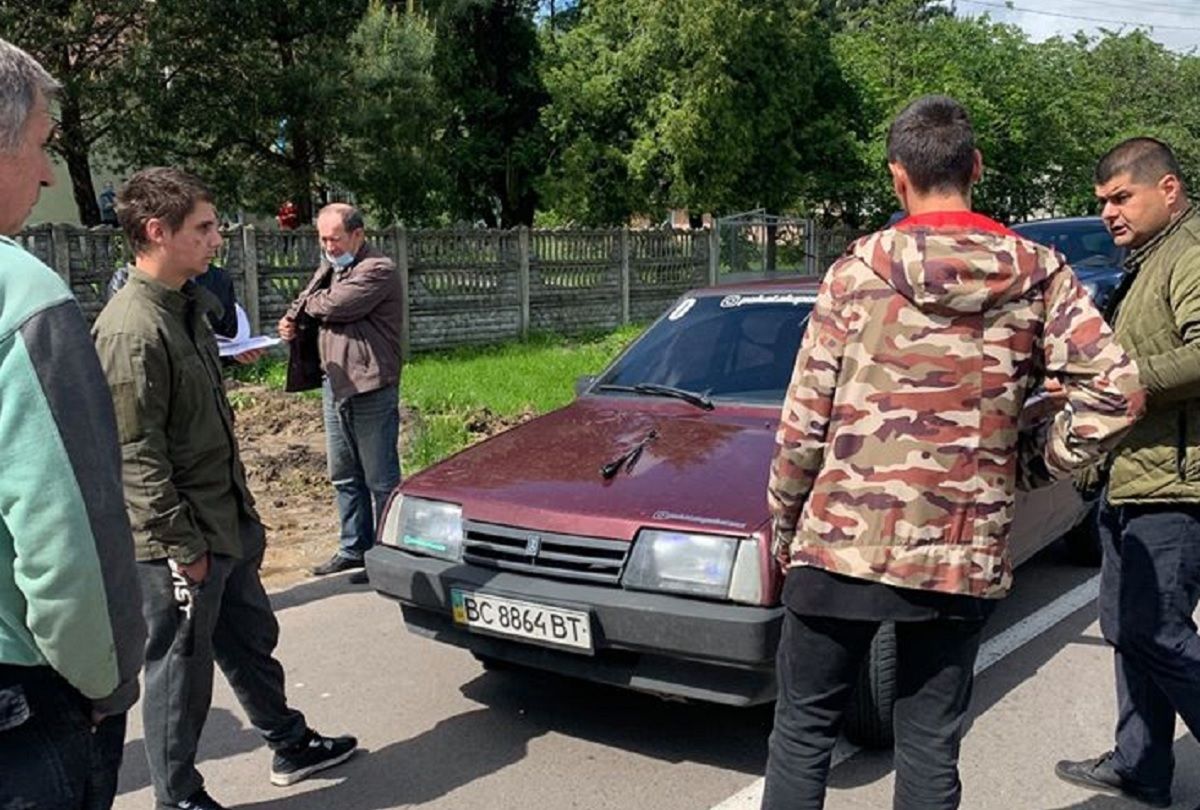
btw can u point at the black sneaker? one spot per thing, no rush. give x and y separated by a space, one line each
200 800
1099 774
337 564
313 753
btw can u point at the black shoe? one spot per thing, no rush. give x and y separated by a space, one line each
313 753
336 565
359 578
1099 774
200 800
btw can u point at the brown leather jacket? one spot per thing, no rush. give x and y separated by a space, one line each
359 309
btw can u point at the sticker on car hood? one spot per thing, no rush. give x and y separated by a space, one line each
739 300
663 514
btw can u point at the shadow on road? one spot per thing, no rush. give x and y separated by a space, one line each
728 738
314 590
455 752
224 736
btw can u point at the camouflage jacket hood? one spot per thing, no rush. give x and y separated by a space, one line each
956 270
897 453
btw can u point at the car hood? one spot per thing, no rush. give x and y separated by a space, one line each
702 470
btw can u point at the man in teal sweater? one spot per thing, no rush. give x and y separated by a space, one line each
71 631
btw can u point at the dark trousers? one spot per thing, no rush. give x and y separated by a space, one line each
817 666
230 621
50 756
1149 588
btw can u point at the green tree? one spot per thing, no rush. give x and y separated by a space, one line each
1139 87
1026 126
86 45
715 105
388 157
491 145
253 94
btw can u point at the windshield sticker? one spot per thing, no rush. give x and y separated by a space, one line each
685 306
662 514
738 300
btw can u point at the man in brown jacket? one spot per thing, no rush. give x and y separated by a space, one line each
356 299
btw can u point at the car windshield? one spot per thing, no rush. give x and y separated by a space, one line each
739 347
1082 242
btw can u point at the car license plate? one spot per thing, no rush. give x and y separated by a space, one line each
523 620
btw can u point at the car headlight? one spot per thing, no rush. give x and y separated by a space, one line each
695 564
432 528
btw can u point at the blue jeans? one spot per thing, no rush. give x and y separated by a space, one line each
361 434
1149 588
50 756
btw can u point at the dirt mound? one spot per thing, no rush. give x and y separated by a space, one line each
282 440
484 423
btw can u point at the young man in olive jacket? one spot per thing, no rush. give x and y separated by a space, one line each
198 539
1150 514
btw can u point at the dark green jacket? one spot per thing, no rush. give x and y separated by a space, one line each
185 487
1158 324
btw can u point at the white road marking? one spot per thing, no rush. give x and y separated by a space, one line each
991 652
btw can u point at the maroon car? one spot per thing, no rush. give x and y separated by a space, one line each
624 537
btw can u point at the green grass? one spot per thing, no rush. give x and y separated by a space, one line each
538 374
450 390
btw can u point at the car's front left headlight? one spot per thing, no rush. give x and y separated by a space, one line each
681 562
432 528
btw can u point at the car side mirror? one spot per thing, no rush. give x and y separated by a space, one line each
583 383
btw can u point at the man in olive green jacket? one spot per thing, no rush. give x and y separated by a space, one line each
199 541
1150 516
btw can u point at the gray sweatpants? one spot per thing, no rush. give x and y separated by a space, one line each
229 620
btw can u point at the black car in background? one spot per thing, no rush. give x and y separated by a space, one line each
1088 248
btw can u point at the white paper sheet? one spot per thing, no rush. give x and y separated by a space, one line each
242 342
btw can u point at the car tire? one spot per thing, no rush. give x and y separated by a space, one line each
868 720
1083 541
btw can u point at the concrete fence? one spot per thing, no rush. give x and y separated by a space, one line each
465 286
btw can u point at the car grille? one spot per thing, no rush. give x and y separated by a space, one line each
591 559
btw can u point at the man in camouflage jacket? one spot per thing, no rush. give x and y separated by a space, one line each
897 454
1150 514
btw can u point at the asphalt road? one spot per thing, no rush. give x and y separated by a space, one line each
439 732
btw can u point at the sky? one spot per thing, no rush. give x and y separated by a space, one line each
1166 21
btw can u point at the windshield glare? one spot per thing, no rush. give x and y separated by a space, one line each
736 348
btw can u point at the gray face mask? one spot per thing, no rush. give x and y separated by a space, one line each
341 261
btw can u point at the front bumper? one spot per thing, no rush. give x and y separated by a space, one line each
652 642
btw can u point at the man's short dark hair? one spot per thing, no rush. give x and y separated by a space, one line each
1145 160
158 193
933 140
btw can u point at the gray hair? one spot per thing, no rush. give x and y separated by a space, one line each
21 80
352 218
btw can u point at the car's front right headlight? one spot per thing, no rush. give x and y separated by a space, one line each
422 526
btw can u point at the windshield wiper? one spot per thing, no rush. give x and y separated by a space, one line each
700 400
628 458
